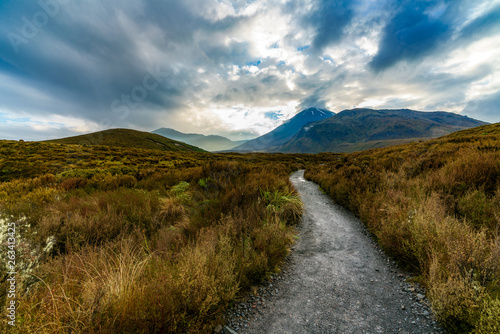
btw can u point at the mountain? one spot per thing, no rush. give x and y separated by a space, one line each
128 138
361 129
209 143
271 141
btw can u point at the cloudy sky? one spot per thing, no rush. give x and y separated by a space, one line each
238 67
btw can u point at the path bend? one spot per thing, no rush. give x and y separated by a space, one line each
338 281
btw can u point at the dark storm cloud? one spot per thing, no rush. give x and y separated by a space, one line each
89 54
270 80
88 59
228 96
420 28
484 25
319 88
329 20
315 100
258 89
178 21
411 34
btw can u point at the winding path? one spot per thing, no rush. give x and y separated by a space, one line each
338 281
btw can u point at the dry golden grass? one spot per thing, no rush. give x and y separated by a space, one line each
146 250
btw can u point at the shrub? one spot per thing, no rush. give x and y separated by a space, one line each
73 183
150 248
180 191
489 319
101 217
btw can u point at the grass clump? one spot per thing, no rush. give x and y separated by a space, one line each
285 204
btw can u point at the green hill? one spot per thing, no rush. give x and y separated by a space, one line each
128 138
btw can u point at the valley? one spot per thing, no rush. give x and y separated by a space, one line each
210 143
116 235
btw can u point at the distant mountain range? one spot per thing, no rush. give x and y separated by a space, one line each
361 129
272 141
128 138
210 143
310 131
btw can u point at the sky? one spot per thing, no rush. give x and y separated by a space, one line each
238 68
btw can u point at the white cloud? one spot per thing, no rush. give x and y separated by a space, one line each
47 122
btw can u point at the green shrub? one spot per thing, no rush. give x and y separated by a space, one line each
489 319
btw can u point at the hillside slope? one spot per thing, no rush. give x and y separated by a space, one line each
128 138
209 143
361 129
273 140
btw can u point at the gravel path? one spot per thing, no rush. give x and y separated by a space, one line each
336 280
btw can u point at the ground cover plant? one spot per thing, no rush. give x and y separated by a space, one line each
113 240
435 207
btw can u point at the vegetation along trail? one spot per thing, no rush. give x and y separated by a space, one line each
338 281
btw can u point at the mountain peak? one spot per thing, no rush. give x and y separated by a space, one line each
321 113
285 131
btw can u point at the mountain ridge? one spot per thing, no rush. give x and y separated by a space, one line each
354 129
206 142
313 130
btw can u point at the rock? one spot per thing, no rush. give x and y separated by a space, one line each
420 296
218 329
229 330
403 307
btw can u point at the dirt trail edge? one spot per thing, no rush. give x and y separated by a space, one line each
336 281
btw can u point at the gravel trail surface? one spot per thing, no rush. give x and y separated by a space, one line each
336 280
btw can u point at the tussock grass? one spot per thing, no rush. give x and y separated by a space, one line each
286 204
